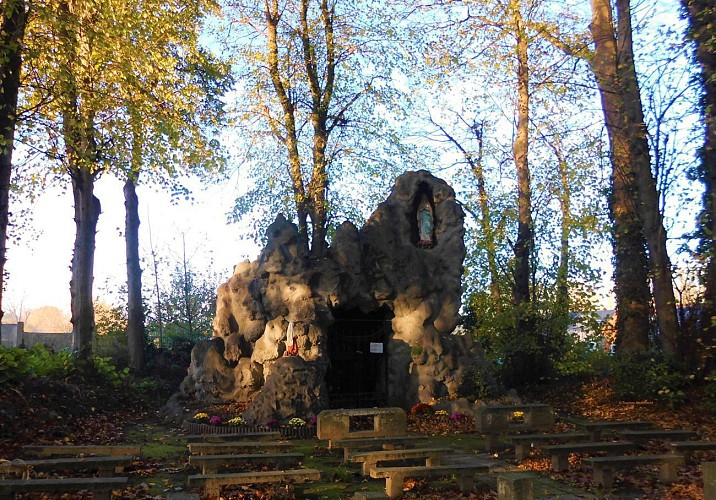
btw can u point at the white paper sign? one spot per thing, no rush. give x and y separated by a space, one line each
376 347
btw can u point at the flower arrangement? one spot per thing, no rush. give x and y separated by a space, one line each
421 409
200 417
297 422
236 422
215 420
458 416
441 413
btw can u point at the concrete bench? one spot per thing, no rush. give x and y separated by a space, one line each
495 420
68 450
101 487
560 452
221 438
603 467
686 448
595 429
335 425
524 442
647 435
212 483
238 447
515 486
210 463
370 459
106 465
376 443
394 476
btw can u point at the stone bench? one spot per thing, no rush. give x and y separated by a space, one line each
70 450
495 420
560 452
515 486
686 448
595 429
394 476
524 442
106 465
210 463
376 443
603 467
335 425
101 487
663 435
370 459
221 438
212 483
238 447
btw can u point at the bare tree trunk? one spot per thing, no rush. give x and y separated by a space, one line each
155 267
136 338
321 99
289 134
565 196
648 197
701 14
87 210
14 17
630 261
524 243
485 217
188 309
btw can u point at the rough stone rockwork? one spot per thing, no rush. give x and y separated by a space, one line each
273 321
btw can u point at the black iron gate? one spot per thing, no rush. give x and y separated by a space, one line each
358 375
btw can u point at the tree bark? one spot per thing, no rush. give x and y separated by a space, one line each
524 243
87 210
14 17
702 31
289 135
321 99
565 196
630 260
135 310
648 197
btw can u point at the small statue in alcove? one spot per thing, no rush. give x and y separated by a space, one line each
425 223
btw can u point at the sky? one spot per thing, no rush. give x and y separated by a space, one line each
39 265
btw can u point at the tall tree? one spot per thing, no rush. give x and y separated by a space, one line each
186 109
95 80
12 32
314 77
524 244
702 31
635 201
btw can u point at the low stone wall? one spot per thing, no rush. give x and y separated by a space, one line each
13 335
55 341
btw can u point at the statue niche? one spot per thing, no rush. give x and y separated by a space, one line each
424 218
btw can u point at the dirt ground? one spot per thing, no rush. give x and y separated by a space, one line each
42 412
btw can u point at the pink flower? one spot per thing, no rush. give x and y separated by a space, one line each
313 420
216 419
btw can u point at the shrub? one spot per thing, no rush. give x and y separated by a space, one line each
109 373
583 358
650 376
14 365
